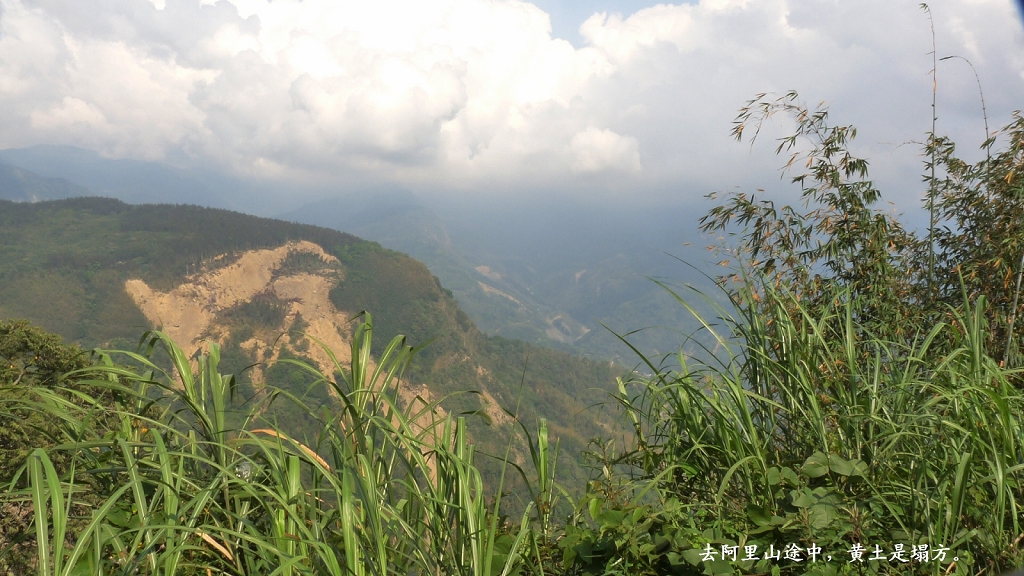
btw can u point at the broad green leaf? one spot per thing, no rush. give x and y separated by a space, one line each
758 515
816 465
789 476
840 465
802 498
692 556
821 515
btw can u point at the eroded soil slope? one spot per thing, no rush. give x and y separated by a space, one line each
190 312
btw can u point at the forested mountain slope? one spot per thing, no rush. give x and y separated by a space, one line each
244 281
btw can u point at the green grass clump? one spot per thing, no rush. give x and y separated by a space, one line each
174 488
806 431
785 439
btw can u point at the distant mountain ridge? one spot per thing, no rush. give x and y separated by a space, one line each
132 181
550 273
22 185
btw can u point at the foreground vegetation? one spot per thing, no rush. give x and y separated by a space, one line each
859 413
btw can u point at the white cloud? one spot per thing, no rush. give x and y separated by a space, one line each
475 94
69 113
597 150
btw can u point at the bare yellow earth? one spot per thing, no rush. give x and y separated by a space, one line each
309 293
188 315
487 288
186 312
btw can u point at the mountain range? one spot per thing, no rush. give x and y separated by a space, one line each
566 275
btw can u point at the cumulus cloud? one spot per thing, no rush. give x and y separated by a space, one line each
476 94
597 150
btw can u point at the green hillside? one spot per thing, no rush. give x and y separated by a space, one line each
63 266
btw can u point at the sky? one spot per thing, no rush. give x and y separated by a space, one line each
607 99
567 15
